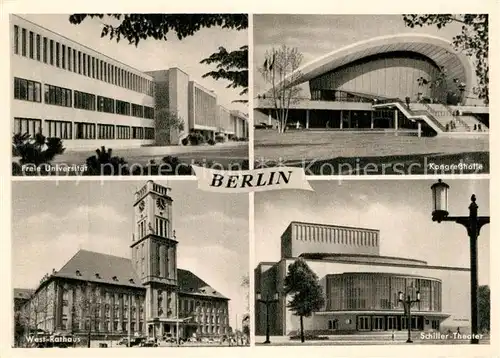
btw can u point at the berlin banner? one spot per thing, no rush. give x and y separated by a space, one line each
244 181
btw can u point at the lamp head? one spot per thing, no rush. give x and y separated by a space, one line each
439 201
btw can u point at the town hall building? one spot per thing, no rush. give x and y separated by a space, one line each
144 295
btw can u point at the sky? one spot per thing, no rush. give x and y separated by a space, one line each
400 209
318 35
51 222
152 55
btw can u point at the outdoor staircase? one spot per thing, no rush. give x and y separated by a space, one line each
463 123
442 114
472 121
438 116
416 112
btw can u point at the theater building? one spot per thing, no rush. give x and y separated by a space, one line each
368 85
146 294
360 286
66 90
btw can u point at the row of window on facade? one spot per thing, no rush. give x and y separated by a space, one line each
372 292
104 311
48 51
335 235
162 228
31 91
98 325
215 311
80 130
384 323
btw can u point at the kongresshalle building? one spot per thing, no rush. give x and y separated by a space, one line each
361 287
369 84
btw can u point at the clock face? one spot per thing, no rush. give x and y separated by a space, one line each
161 203
141 205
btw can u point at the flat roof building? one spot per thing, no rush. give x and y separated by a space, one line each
66 90
360 286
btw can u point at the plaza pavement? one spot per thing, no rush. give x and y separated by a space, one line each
359 339
162 344
359 153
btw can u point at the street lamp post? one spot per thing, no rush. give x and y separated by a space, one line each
473 223
407 303
267 301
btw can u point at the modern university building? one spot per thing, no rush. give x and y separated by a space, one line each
111 296
368 85
66 90
360 286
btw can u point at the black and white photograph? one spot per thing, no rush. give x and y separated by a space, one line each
128 94
129 264
364 262
249 179
372 94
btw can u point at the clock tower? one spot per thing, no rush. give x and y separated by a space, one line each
154 256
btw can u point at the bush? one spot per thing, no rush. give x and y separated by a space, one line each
196 138
103 163
185 141
176 167
35 151
211 142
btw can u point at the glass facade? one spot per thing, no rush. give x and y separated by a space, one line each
379 291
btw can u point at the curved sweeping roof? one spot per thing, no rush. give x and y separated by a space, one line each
440 51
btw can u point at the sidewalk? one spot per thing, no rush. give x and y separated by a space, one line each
372 339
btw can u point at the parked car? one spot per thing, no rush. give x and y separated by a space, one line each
263 125
123 341
136 341
150 342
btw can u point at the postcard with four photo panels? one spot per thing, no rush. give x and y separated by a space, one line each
185 181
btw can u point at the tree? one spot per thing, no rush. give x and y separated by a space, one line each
245 283
451 95
86 308
307 294
168 124
232 65
484 308
36 309
280 70
35 151
472 40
